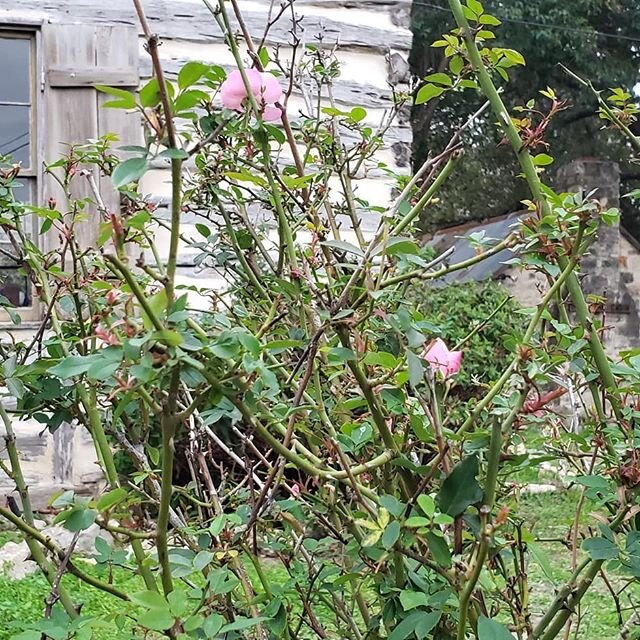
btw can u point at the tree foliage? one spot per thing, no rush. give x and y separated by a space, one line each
597 39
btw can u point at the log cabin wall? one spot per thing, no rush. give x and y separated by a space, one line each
373 42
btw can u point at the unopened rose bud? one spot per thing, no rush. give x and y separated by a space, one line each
116 223
525 352
112 296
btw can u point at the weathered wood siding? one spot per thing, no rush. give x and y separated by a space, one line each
77 57
373 41
85 42
373 38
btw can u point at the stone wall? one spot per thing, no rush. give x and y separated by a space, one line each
606 270
611 267
54 462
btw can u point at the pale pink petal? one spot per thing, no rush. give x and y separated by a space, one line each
271 89
437 352
231 100
271 113
255 81
233 86
233 90
447 362
455 362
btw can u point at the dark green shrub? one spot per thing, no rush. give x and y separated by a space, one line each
460 308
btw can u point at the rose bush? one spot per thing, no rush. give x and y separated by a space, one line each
305 418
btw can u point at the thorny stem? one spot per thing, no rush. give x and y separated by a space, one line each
533 324
569 596
507 243
298 460
152 42
141 296
528 167
535 185
248 271
486 530
633 139
410 216
168 424
27 511
94 423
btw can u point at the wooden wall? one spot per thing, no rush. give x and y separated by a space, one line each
373 41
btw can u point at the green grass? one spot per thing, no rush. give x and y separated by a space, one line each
8 536
549 516
23 601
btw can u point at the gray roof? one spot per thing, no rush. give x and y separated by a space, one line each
495 230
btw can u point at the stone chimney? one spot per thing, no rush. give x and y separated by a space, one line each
601 265
604 269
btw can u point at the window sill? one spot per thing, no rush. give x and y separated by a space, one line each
25 330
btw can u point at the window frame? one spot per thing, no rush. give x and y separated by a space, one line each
24 34
30 30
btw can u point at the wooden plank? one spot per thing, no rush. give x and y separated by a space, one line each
60 78
63 454
12 18
117 46
74 109
191 21
373 5
71 114
344 91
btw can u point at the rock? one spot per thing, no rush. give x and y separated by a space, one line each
22 569
398 69
13 552
401 153
539 488
86 544
15 556
14 560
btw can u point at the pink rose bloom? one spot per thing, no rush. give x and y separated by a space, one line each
265 89
440 359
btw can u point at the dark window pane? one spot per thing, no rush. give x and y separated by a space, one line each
14 285
15 76
14 133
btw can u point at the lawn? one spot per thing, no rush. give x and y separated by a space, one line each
549 515
553 514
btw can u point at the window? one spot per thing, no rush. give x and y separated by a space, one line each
48 78
19 141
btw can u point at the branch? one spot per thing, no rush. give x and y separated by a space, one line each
537 191
152 42
34 534
54 594
36 551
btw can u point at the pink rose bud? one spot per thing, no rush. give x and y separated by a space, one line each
112 296
440 359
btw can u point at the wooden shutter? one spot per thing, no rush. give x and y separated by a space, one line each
76 58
